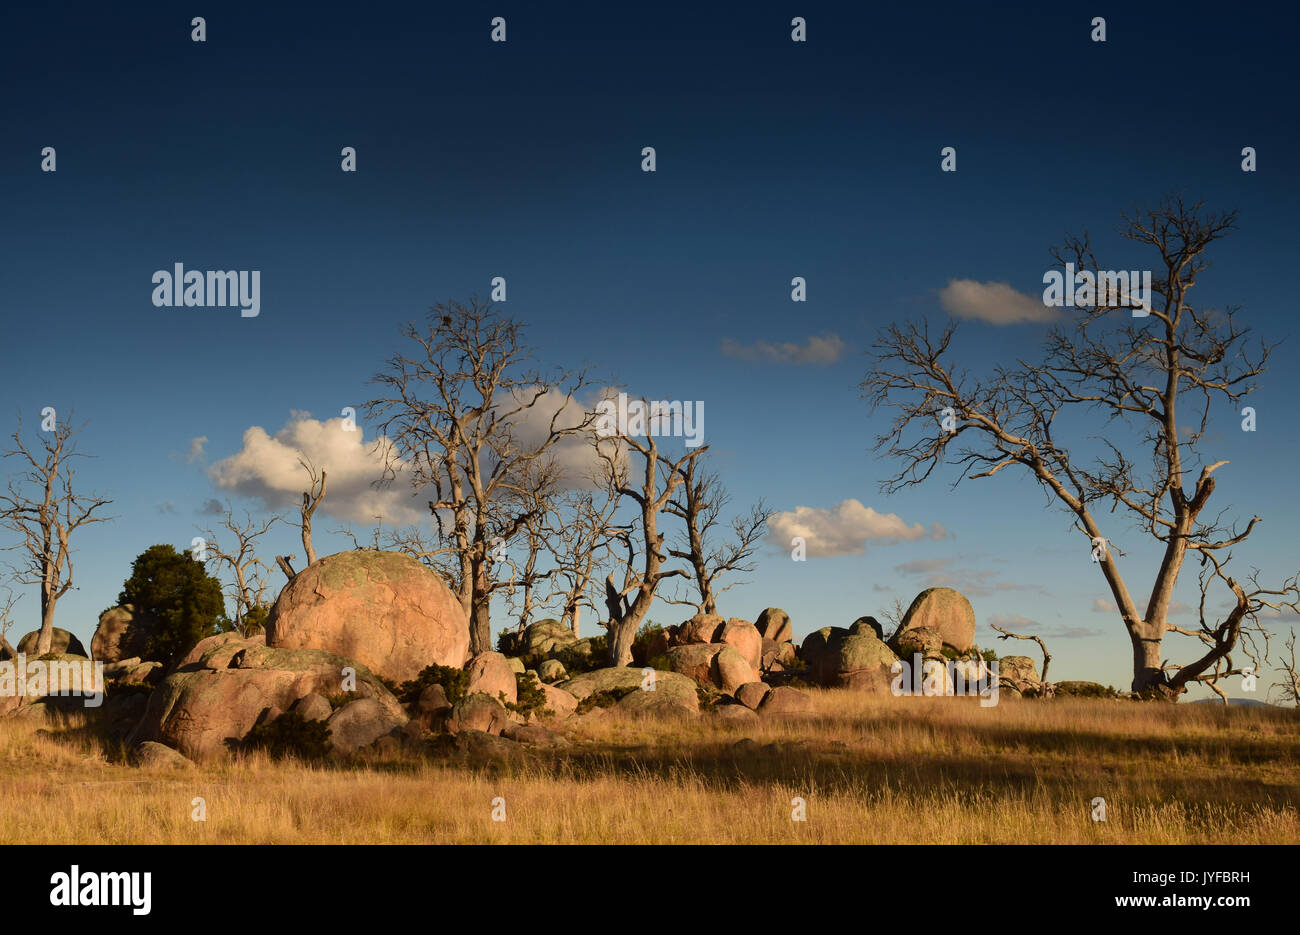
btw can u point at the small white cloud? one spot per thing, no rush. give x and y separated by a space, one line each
196 449
993 302
821 350
1103 606
845 529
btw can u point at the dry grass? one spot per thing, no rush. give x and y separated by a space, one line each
872 770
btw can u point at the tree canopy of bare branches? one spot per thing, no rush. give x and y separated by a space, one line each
472 421
248 572
1157 377
650 490
700 503
44 509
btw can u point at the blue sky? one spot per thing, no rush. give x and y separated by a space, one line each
775 159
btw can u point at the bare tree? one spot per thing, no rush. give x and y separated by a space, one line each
1157 374
465 415
894 616
579 534
1289 687
311 499
248 582
700 503
7 603
1047 657
42 506
628 603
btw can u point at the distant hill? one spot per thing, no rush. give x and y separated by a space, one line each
1237 702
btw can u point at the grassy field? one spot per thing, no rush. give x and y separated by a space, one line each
871 770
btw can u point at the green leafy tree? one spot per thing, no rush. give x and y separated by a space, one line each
177 601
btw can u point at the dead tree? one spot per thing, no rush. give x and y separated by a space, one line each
42 506
628 603
466 415
311 499
699 504
1290 672
1047 657
10 599
579 534
1155 374
247 572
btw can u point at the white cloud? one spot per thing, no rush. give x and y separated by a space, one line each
844 530
819 350
266 467
993 302
196 449
1103 606
574 454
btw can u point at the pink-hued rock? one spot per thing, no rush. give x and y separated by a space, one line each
491 674
702 628
383 609
774 624
744 636
946 611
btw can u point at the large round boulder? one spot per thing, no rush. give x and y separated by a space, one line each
61 641
774 624
383 609
865 663
946 611
702 628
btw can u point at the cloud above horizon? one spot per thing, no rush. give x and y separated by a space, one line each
995 303
266 468
818 351
845 529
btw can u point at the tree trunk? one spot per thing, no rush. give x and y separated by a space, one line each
480 619
46 638
1148 677
621 635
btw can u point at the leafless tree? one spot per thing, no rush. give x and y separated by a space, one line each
628 603
700 503
1156 374
1289 687
311 499
579 535
42 506
538 487
248 585
7 603
1047 657
457 411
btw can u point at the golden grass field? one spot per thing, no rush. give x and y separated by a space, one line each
872 770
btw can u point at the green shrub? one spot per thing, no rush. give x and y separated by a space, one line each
606 699
289 735
641 644
532 700
454 683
